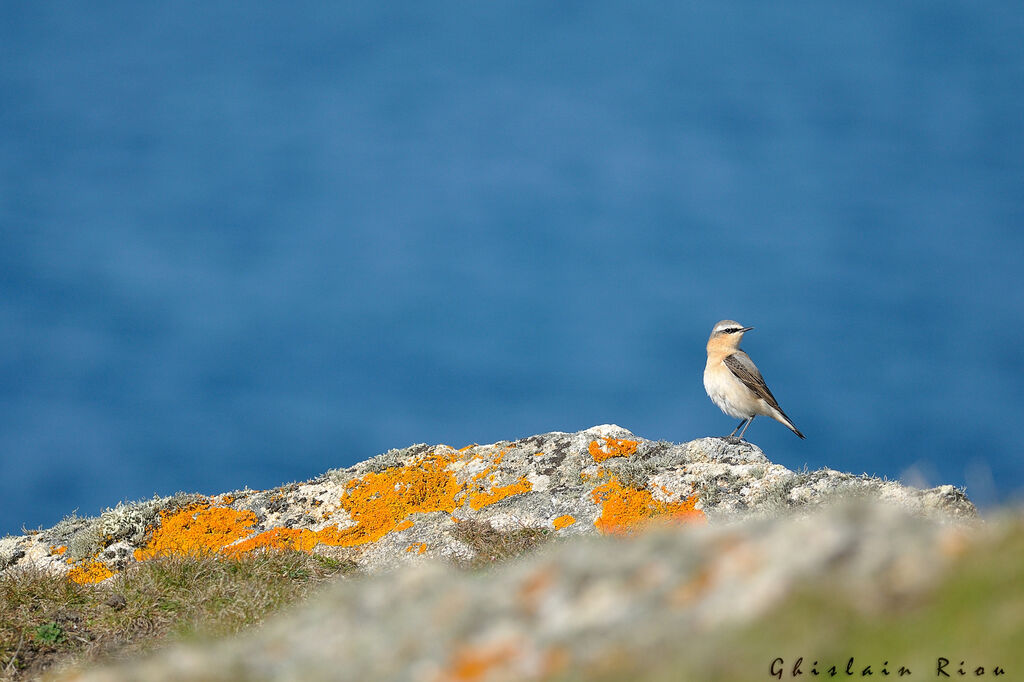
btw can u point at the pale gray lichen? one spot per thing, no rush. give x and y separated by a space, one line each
11 549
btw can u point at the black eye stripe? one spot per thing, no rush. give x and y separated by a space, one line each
730 330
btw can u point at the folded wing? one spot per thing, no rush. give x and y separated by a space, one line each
743 368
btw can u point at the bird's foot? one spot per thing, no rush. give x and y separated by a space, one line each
733 440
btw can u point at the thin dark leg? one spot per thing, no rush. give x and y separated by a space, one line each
738 427
749 422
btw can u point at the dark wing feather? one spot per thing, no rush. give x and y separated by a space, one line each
743 368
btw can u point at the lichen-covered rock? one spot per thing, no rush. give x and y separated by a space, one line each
583 609
404 506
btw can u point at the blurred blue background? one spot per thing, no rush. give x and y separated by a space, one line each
241 244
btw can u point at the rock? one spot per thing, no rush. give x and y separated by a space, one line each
405 506
585 608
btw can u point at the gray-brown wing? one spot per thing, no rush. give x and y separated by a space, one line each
743 368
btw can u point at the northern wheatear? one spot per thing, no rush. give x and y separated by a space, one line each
733 382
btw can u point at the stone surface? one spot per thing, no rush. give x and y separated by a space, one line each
403 507
578 608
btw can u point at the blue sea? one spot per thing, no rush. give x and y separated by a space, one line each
244 243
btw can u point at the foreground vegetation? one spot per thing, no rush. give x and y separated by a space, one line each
974 617
48 620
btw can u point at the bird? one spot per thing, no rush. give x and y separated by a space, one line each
734 383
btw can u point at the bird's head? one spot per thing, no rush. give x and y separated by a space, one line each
727 334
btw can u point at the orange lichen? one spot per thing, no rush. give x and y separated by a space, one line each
196 530
90 571
467 447
486 473
534 588
379 502
59 551
470 664
300 539
419 548
563 521
601 474
481 499
613 447
626 509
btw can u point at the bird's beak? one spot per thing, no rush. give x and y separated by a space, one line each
745 329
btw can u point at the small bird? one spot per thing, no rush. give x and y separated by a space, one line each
733 382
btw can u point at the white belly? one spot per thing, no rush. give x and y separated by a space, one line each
729 393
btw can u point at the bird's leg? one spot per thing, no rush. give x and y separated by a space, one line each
749 421
737 427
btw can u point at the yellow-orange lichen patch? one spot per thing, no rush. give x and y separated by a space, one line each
88 572
601 474
626 509
612 447
470 664
419 548
58 550
197 529
563 521
480 499
535 587
300 539
379 502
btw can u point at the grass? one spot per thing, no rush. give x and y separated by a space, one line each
491 546
48 620
975 615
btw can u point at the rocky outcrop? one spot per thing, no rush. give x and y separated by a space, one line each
668 604
406 506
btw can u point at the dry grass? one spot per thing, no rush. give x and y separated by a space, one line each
48 620
491 545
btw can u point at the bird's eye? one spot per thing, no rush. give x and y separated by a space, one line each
731 330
